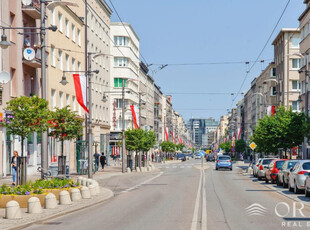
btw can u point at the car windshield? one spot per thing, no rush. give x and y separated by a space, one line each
291 164
306 166
279 164
267 161
224 158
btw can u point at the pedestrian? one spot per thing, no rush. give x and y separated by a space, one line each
102 160
152 157
96 156
14 166
114 159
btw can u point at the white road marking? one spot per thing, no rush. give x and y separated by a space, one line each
181 167
167 167
144 182
189 166
174 167
204 204
195 216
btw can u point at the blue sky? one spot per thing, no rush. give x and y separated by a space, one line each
179 31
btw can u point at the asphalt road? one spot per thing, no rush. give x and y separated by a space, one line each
185 196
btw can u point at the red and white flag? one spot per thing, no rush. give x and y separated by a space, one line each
239 133
80 90
134 117
166 133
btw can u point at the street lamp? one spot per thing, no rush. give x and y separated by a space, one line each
4 44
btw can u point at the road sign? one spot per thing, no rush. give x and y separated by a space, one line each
253 145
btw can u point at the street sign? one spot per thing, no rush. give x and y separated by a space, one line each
253 145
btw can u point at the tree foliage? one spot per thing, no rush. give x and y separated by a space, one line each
285 129
27 115
240 146
139 140
180 147
65 124
226 146
167 146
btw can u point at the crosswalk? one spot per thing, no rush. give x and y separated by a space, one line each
182 166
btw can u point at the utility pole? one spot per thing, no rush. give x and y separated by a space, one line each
123 128
90 139
305 154
44 142
140 111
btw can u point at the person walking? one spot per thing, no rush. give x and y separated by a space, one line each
14 166
102 160
114 159
96 156
152 157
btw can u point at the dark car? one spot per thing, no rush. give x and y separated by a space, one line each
210 157
180 156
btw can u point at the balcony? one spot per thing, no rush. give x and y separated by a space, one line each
36 62
32 10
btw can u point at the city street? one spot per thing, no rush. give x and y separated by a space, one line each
180 196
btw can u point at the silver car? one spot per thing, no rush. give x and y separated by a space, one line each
297 177
263 166
283 174
255 166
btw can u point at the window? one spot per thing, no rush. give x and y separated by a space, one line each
303 87
120 61
53 57
119 103
273 72
67 100
273 91
295 106
67 63
53 98
73 64
121 41
67 28
73 103
295 42
118 82
295 85
296 63
73 32
79 66
79 37
61 100
60 26
60 62
53 17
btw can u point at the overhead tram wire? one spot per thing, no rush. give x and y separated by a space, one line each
261 52
209 63
126 28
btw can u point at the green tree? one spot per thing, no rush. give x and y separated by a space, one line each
180 147
65 125
27 115
226 146
167 146
240 145
148 141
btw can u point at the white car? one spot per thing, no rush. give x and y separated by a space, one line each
255 166
298 175
197 156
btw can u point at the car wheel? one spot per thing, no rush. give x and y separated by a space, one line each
266 180
285 185
216 169
259 178
290 188
278 182
273 181
296 190
231 169
307 194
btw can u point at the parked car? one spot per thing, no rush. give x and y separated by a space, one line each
223 161
297 177
255 166
180 156
263 167
273 169
285 172
197 156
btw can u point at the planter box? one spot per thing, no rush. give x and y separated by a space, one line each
4 199
22 200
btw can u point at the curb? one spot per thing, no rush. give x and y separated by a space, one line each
105 195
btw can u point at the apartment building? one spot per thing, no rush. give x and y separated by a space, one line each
66 53
158 118
25 75
287 64
125 67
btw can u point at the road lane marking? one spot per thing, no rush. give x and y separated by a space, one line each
144 182
195 216
189 166
174 167
167 167
204 204
181 167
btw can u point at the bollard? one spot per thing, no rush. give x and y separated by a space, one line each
128 170
79 180
84 181
97 187
138 169
89 182
34 206
75 194
12 210
92 190
64 198
85 193
50 201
